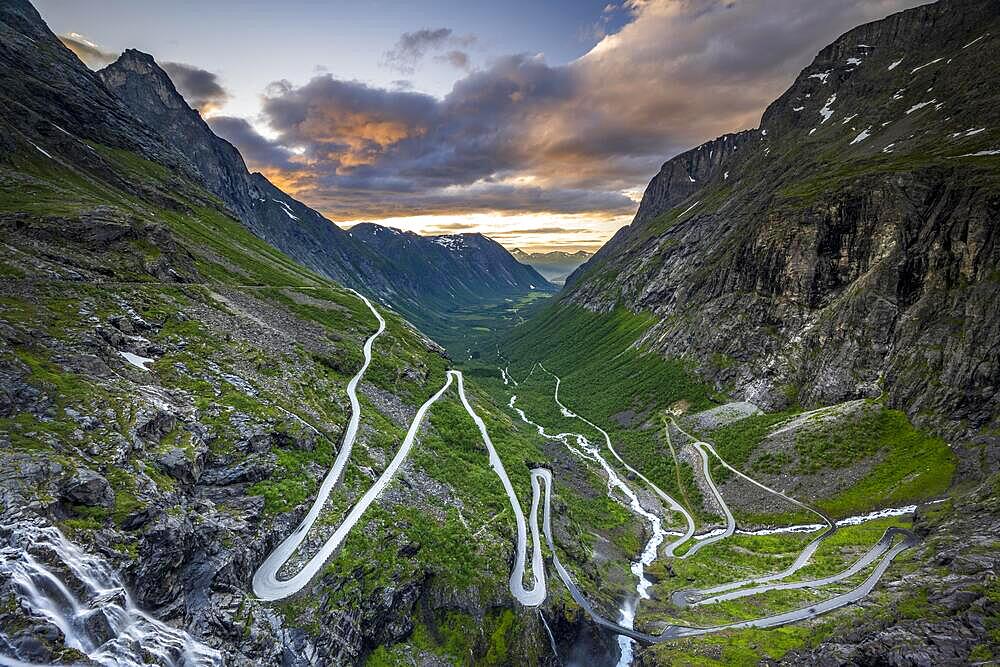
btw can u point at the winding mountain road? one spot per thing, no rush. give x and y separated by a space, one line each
688 597
882 553
677 631
267 584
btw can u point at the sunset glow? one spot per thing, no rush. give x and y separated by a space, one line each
541 137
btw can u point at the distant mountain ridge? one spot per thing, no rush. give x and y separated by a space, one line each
556 265
450 271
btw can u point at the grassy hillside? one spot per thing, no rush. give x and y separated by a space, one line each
228 426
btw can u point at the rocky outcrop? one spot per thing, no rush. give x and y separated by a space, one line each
847 245
86 487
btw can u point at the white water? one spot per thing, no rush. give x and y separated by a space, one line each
552 638
84 597
587 450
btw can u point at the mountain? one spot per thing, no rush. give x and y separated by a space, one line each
556 265
828 251
452 271
178 395
279 219
172 396
425 281
829 282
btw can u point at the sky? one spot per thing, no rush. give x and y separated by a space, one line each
536 122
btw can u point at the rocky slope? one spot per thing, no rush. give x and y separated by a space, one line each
556 266
133 105
845 249
847 245
282 221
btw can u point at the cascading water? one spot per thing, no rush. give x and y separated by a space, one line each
586 450
84 597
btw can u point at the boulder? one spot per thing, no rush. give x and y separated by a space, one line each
180 465
86 487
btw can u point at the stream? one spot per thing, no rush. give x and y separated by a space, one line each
83 596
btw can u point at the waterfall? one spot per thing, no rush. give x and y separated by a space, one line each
83 596
552 639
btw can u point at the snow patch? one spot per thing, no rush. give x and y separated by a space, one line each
854 61
849 119
822 76
895 64
888 149
899 94
797 109
976 40
136 360
811 131
41 150
917 69
918 106
865 133
286 207
826 111
968 133
690 207
450 242
995 151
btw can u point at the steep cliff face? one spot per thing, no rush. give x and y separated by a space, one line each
282 221
48 95
847 245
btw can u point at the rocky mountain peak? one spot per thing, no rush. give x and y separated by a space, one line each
133 62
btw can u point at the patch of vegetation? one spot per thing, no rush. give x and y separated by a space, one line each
914 466
737 441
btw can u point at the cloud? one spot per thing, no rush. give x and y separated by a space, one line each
411 47
199 87
253 146
455 58
537 230
450 227
522 135
91 54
